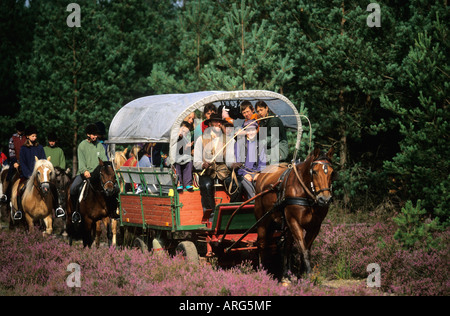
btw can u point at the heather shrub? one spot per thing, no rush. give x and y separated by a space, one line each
345 251
33 265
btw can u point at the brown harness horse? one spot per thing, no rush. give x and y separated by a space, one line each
99 201
297 209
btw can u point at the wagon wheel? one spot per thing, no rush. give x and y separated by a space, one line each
189 251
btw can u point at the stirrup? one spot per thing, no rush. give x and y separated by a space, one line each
59 212
76 218
17 215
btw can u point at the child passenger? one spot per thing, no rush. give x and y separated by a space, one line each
183 162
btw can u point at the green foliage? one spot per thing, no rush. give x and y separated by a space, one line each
77 76
422 116
415 229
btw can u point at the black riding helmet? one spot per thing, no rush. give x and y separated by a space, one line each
92 129
30 130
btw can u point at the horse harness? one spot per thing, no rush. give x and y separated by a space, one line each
283 201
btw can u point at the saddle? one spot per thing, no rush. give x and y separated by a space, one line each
81 194
21 187
20 191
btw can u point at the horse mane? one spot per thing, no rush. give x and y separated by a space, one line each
40 163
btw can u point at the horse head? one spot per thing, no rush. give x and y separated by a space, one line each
43 175
120 158
107 177
322 175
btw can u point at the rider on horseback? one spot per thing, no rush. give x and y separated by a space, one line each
28 152
89 151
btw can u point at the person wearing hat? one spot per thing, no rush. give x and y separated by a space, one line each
28 152
88 153
101 136
58 160
210 157
57 154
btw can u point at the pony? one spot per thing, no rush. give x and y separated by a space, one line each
62 180
37 199
98 200
297 209
111 222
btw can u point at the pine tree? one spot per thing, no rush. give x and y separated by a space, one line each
194 26
247 57
421 113
340 73
81 75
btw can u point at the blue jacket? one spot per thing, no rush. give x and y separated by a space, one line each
251 155
27 158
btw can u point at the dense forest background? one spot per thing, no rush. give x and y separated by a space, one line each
379 95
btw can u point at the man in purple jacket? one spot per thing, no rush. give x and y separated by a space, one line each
251 156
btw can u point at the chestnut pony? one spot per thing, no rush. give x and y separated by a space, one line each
297 208
99 201
37 199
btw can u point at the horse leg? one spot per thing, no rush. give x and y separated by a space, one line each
299 237
48 225
114 231
109 234
30 222
286 258
87 233
98 233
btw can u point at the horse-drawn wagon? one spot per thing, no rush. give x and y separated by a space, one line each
153 213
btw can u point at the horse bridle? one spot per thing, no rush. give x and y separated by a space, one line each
313 193
325 170
105 183
39 186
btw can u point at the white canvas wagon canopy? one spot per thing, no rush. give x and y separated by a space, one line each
157 118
